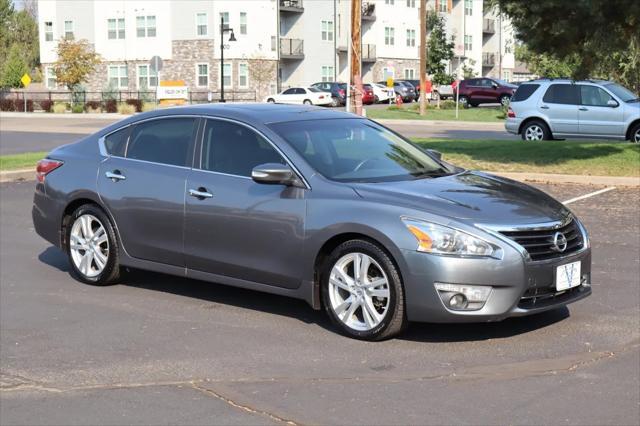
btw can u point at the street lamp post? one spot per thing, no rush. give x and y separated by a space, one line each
231 38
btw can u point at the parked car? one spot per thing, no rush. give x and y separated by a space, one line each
405 90
310 203
547 109
338 91
476 91
381 93
367 95
416 86
301 95
444 91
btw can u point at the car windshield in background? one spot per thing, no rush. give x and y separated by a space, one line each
356 150
623 93
314 90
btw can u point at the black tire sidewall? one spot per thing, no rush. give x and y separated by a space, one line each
112 260
395 286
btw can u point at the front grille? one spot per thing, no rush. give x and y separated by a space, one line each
539 242
540 297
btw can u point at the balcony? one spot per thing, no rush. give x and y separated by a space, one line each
294 6
489 26
291 48
488 59
368 11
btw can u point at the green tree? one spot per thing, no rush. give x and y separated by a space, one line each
17 28
14 68
545 65
76 60
439 49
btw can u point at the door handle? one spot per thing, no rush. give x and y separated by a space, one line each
544 107
200 193
583 109
115 175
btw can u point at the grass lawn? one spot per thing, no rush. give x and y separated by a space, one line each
563 157
21 161
406 113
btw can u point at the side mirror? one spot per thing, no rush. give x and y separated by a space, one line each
435 153
494 85
612 103
275 173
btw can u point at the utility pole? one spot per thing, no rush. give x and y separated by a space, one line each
355 77
423 57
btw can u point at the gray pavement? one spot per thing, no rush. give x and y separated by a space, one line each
165 350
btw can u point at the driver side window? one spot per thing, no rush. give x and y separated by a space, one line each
594 96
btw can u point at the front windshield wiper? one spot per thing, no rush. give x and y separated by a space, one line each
430 173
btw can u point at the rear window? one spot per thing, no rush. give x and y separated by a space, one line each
524 92
116 142
567 94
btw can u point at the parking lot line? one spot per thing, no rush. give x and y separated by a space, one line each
591 194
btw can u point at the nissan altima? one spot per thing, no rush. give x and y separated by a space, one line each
314 204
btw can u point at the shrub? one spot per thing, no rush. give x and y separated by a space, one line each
77 109
111 106
46 105
60 107
136 103
19 105
394 108
7 105
448 104
148 106
126 108
93 106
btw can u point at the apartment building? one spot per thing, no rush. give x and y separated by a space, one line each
301 41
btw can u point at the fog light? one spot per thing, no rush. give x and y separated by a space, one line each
462 297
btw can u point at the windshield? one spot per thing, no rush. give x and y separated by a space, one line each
623 93
356 150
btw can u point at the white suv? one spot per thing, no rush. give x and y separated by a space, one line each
556 108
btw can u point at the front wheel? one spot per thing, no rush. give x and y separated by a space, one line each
464 101
376 99
635 134
362 291
535 131
307 102
505 100
271 100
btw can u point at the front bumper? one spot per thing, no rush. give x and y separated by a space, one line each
519 287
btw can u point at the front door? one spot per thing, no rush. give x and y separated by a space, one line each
596 116
234 226
144 188
560 105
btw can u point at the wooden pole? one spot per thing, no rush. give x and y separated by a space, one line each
423 57
355 78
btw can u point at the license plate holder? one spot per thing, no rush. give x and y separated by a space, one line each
568 276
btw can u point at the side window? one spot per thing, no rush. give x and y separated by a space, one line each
235 149
165 141
486 82
566 94
524 92
594 96
473 82
289 92
300 91
116 142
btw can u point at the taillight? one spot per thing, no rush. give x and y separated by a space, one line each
510 113
45 167
341 92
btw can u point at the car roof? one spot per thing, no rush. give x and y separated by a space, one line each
566 80
250 113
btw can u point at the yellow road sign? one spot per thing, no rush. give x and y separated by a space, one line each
389 81
26 80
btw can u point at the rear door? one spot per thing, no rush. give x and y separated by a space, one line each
596 116
288 96
143 186
301 95
560 105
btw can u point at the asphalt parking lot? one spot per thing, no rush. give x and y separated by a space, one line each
164 350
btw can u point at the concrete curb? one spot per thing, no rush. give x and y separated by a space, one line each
30 175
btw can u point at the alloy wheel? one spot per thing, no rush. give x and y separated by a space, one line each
636 136
359 291
534 133
89 245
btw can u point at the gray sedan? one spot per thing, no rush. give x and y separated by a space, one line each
314 204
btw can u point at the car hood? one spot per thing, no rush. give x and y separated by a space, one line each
471 196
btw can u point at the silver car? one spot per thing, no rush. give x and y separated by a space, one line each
557 108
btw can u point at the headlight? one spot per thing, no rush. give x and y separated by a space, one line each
438 239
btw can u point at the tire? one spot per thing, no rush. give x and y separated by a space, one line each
335 102
464 101
535 130
307 102
358 320
504 100
271 101
634 136
376 99
92 274
473 104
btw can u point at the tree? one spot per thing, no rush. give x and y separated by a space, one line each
76 60
467 69
439 49
21 29
545 65
14 68
262 72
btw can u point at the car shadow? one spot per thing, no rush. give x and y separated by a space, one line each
300 310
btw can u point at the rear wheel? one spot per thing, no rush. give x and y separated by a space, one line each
271 100
635 134
505 99
335 102
464 101
376 99
362 291
535 130
307 102
92 246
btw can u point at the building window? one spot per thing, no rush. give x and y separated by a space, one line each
146 26
51 81
227 69
411 3
243 23
387 73
411 38
243 76
68 30
409 74
202 75
468 7
201 24
443 6
225 19
506 75
327 30
115 28
327 73
389 36
146 77
48 31
391 2
468 42
118 76
274 43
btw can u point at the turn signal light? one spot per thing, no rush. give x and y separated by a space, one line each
45 167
